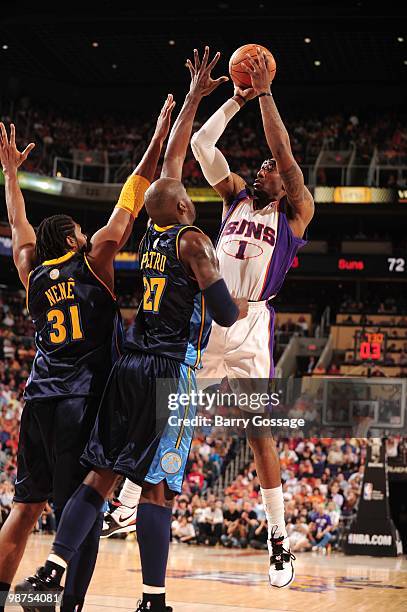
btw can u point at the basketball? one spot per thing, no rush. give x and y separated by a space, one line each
237 72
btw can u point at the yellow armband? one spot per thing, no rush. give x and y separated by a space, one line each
132 194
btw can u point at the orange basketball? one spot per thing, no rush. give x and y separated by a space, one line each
239 76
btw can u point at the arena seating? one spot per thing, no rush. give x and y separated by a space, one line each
108 145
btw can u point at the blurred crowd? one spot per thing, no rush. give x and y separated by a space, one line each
120 140
321 478
322 481
374 304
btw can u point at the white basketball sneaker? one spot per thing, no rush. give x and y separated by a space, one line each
119 519
281 572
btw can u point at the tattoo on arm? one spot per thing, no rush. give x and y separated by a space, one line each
293 181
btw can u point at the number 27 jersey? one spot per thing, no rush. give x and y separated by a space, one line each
172 320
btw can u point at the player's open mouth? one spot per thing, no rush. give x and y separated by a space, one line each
257 184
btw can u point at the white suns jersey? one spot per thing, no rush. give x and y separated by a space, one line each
255 248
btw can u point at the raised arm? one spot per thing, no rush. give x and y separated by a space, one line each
198 256
213 163
108 241
202 85
22 232
299 197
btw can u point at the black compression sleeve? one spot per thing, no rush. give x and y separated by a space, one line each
220 305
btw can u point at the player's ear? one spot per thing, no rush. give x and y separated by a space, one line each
72 242
182 207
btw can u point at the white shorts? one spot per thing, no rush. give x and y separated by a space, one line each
244 350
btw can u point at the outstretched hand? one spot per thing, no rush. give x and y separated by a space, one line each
258 71
11 158
164 119
202 83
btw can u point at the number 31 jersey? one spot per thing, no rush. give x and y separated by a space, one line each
256 248
77 329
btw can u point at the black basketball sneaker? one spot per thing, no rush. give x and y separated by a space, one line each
39 593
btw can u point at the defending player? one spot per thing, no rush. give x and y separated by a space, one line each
262 230
181 277
70 298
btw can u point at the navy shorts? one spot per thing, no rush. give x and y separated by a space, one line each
133 434
53 435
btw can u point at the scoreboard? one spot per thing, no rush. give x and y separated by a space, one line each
354 266
370 346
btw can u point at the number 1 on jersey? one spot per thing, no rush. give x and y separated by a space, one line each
241 249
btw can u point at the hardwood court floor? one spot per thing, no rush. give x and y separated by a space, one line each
220 580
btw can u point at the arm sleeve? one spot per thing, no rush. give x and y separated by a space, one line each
132 194
220 304
213 163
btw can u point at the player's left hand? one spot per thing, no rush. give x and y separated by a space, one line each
259 72
202 84
243 306
11 158
164 119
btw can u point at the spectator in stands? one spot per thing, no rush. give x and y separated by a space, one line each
318 460
236 534
47 521
6 500
287 456
335 457
211 525
321 529
311 364
334 370
302 323
258 535
183 531
196 478
299 534
377 372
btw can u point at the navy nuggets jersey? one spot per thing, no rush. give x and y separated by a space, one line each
171 320
76 324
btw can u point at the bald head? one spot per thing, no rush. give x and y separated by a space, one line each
167 202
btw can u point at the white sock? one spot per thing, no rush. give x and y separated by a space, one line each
273 503
57 560
153 590
130 494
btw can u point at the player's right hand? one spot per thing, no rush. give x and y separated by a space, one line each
10 156
243 306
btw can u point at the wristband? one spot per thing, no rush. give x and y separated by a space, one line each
220 305
241 97
265 93
132 194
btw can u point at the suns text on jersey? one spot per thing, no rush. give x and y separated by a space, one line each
249 229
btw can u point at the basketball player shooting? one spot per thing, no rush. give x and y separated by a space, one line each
70 282
262 230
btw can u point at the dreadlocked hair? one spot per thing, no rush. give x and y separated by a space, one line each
52 233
